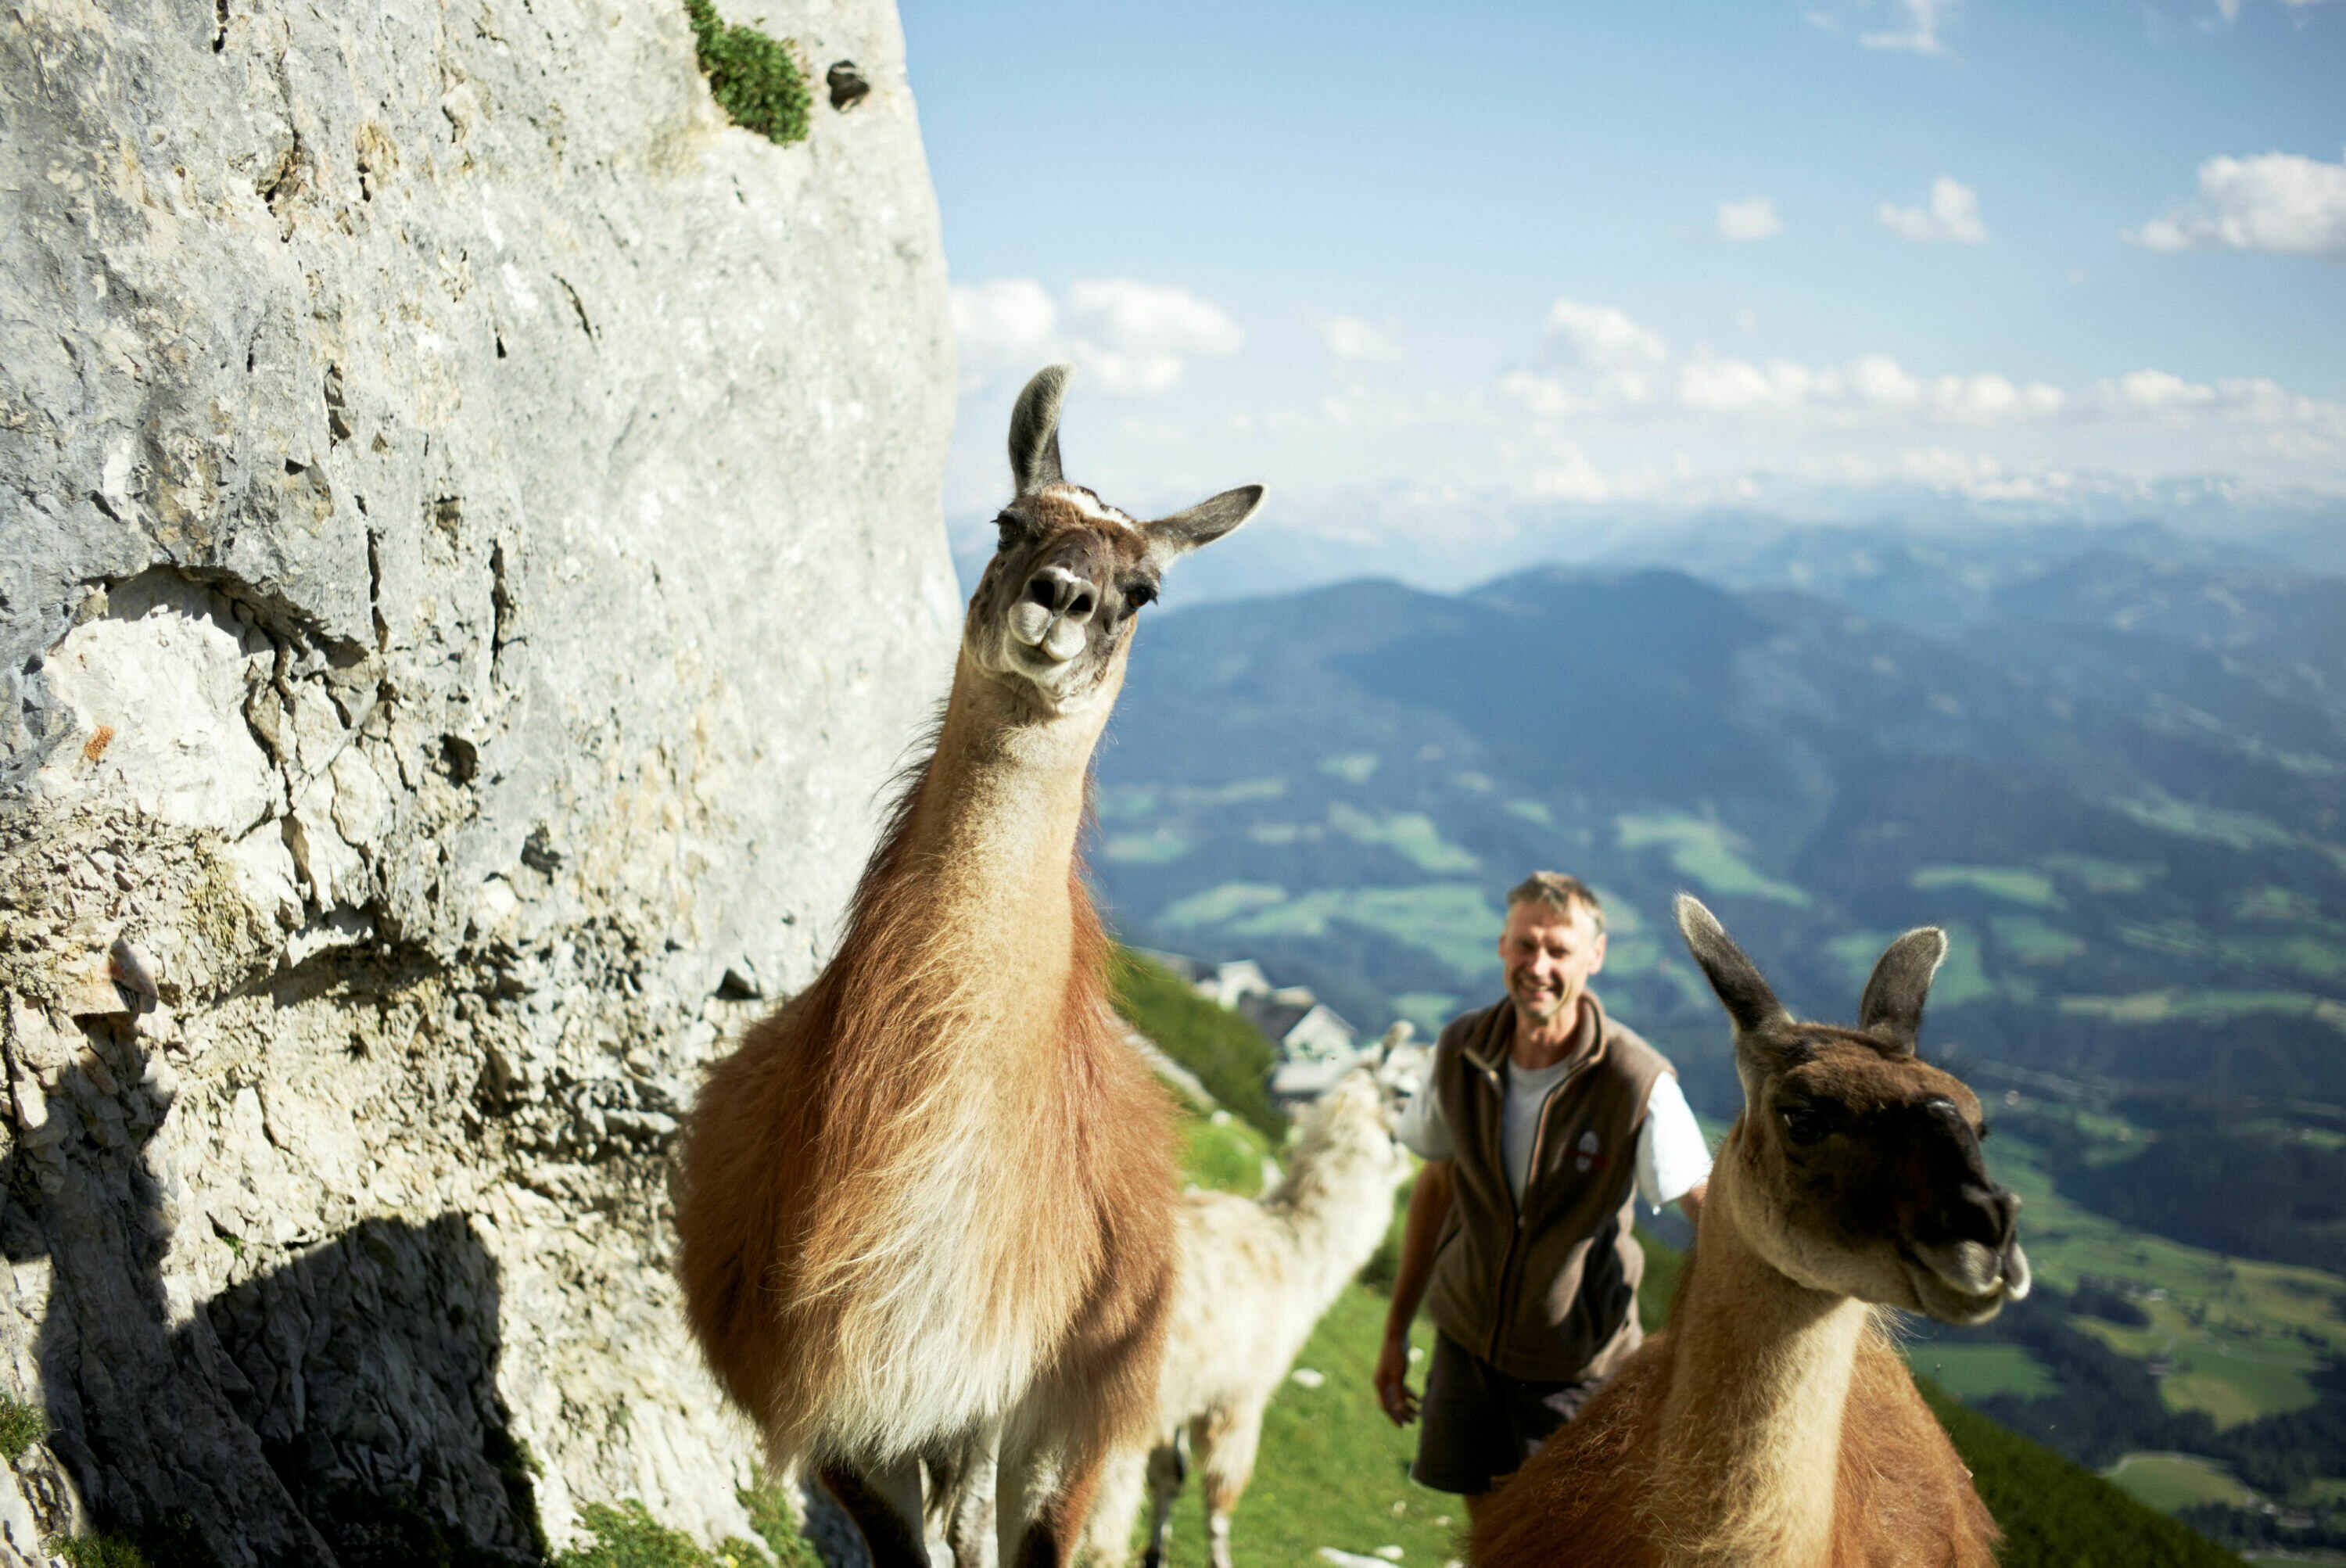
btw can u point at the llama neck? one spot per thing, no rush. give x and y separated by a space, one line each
1337 1201
1759 1386
990 842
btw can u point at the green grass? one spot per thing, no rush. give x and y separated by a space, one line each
2175 1005
1222 904
754 78
2055 1512
1409 834
1331 1470
1221 1152
103 1549
2239 829
1158 847
21 1426
1228 1055
628 1536
2243 1336
1705 853
2031 940
172 1543
2099 876
1452 921
2016 884
1976 1371
2168 1481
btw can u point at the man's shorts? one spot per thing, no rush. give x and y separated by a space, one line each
1479 1425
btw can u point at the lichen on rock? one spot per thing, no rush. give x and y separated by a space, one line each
469 559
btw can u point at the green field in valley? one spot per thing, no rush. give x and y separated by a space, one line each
1976 1371
2241 1336
2168 1481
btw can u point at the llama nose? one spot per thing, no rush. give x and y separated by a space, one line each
1062 592
1985 1214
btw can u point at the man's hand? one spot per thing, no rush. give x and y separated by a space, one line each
1392 1380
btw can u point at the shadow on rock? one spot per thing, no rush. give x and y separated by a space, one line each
341 1409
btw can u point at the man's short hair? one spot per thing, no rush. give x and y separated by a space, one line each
1559 893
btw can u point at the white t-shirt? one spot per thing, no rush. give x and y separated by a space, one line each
1672 1158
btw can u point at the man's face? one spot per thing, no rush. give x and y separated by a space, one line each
1548 957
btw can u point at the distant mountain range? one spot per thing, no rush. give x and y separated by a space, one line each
2111 762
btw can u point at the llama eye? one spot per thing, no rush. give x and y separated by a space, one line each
1984 1130
1139 594
1010 531
1804 1124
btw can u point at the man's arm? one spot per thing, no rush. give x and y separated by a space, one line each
1429 1205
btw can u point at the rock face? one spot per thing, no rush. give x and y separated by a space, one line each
469 561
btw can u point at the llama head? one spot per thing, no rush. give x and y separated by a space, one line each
1053 613
1353 1121
1856 1165
1399 1065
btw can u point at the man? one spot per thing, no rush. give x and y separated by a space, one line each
1542 1122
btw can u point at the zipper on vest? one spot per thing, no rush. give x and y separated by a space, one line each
1499 1308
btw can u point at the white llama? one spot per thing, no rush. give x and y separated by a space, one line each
1255 1274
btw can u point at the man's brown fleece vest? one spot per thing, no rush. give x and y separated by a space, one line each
1548 1293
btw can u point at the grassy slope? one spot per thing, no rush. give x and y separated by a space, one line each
1228 1054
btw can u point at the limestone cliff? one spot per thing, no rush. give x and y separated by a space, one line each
469 559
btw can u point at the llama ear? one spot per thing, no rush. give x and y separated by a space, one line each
1034 428
1737 979
1202 524
1892 1010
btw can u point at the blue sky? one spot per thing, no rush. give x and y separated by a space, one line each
1422 263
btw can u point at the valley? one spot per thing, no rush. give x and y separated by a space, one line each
2109 762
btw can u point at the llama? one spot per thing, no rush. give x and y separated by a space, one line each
1773 1422
1255 1276
925 1206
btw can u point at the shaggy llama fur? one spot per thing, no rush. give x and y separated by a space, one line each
1255 1277
925 1204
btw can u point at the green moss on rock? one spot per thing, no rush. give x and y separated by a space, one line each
755 78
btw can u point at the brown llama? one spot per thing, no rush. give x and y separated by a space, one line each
1773 1422
927 1204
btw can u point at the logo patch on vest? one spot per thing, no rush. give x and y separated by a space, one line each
1585 1158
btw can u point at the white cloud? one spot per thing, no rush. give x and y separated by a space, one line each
2238 400
1920 36
1138 338
1954 214
2156 390
1738 386
1752 219
1871 385
2277 201
1130 338
1603 338
1005 325
1544 397
1350 338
